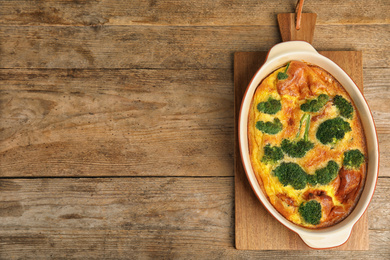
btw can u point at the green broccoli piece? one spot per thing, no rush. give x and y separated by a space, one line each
291 174
315 105
299 147
272 154
296 149
271 107
345 108
324 175
269 127
311 212
332 130
283 75
353 159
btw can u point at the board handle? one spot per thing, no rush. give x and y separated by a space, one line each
297 26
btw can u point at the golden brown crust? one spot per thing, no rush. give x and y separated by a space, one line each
339 197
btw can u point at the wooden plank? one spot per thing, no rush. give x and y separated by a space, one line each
254 225
120 217
377 93
46 114
170 47
381 206
116 123
143 218
185 13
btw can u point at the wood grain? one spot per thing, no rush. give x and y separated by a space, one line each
150 218
172 47
185 13
254 225
287 27
116 123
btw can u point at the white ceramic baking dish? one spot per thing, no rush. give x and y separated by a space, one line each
278 56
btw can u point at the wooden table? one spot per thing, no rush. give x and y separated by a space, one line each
117 123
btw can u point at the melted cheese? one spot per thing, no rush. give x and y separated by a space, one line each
304 82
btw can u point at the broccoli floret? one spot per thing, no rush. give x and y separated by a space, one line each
298 148
272 154
283 75
353 159
315 105
311 212
269 127
332 130
271 107
324 175
345 108
291 174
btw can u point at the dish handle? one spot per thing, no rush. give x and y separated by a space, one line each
316 241
288 47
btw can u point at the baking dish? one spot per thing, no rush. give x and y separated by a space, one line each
278 56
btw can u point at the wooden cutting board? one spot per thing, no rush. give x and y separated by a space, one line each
255 228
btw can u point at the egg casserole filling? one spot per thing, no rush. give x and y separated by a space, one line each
307 145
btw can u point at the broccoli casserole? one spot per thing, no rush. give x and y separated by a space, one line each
307 145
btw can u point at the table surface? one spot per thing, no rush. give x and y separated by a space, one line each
117 123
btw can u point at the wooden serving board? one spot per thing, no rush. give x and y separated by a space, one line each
255 228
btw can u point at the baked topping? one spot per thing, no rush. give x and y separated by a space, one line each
307 145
